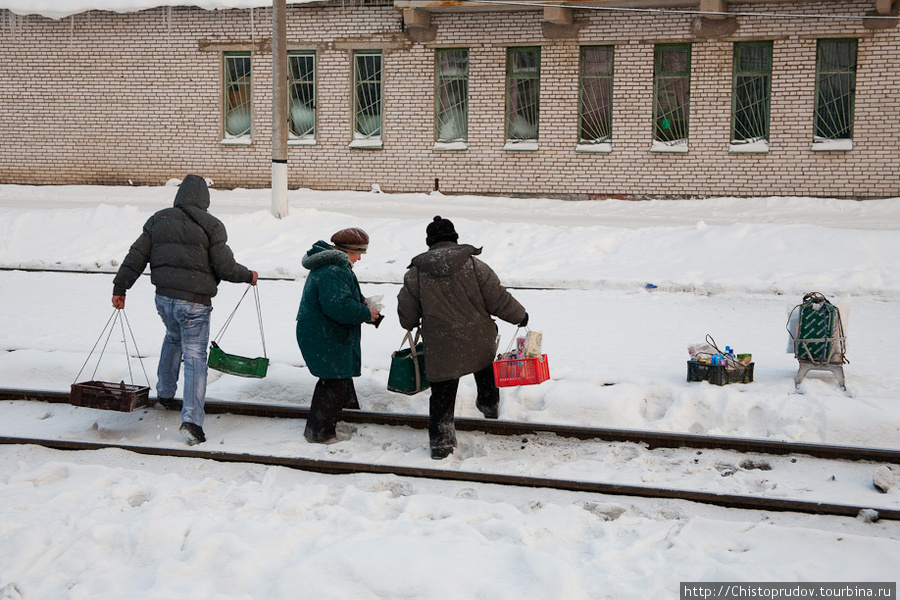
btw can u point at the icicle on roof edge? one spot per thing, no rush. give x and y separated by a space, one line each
60 9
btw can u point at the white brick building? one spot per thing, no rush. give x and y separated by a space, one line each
573 98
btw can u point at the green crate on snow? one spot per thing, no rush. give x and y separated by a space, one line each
236 365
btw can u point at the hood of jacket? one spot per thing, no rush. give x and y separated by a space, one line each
322 254
444 258
192 192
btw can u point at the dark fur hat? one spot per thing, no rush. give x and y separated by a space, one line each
352 239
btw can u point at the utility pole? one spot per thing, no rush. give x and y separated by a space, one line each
279 109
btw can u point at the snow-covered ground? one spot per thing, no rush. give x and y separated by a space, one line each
114 525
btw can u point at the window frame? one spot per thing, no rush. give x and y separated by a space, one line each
444 81
362 139
243 85
743 79
664 80
296 114
605 82
513 107
826 142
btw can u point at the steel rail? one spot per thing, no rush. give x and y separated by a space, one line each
348 468
268 278
652 439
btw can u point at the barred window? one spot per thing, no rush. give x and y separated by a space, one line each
367 88
672 89
451 119
595 95
302 82
751 92
237 95
523 85
835 90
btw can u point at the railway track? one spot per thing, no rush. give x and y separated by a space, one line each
507 428
346 468
652 439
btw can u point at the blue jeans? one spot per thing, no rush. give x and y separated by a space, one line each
187 337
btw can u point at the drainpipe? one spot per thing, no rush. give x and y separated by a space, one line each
279 109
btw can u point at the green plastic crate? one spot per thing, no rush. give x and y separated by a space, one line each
236 365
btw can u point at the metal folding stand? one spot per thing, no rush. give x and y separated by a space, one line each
837 369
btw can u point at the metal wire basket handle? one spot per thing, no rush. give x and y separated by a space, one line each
262 335
118 316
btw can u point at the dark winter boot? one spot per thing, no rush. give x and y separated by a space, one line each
488 399
328 400
441 428
169 403
193 433
441 453
351 402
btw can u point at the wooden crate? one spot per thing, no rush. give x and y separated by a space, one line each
109 396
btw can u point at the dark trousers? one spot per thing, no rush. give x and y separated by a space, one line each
442 405
330 397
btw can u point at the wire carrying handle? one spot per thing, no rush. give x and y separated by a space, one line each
512 340
262 334
712 342
118 317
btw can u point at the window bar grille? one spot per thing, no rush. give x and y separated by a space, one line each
367 114
523 94
751 94
302 109
452 98
673 68
835 89
596 95
237 94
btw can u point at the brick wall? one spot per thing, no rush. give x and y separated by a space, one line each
107 98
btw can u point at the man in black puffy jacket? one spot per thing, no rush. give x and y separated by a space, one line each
188 256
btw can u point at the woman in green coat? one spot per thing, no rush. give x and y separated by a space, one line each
332 309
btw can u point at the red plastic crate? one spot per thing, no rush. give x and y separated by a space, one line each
521 371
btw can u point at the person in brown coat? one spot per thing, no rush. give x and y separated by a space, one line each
452 296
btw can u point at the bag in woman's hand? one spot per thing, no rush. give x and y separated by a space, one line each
407 374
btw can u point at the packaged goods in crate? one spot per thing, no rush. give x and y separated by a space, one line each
105 395
533 342
521 371
708 363
526 365
719 374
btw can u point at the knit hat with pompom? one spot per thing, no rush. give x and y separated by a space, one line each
440 230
